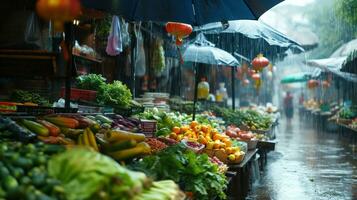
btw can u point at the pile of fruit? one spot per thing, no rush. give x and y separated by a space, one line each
216 144
23 171
95 132
235 132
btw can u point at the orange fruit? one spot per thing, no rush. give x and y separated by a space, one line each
217 144
184 128
216 137
197 128
173 136
193 124
228 143
176 129
202 140
204 128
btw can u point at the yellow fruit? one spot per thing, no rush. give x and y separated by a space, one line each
176 130
222 145
217 145
184 129
202 140
216 137
231 157
179 138
228 143
210 145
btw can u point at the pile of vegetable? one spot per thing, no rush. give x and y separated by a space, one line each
245 119
165 121
88 175
193 172
115 94
348 113
23 172
22 96
90 82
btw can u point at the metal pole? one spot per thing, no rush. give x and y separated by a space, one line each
69 40
195 97
233 89
133 58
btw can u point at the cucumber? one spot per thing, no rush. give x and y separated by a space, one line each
36 127
103 119
9 183
53 149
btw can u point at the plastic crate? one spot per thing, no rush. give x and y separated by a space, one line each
79 94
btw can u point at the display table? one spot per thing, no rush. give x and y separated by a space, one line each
240 183
264 147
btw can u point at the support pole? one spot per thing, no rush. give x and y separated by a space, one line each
233 89
69 42
195 95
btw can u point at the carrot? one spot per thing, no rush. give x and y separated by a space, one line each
53 129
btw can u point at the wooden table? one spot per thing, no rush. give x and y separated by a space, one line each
240 184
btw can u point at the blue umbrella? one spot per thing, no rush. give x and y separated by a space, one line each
195 12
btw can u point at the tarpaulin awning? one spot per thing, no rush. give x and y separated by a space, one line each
296 78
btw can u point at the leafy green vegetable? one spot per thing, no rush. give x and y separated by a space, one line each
23 96
86 173
116 94
90 82
347 113
193 172
250 118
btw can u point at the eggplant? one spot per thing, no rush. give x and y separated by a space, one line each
19 132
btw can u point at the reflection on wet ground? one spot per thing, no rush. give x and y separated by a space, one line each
308 164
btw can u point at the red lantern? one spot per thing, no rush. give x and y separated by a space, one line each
179 30
260 62
325 84
256 77
311 84
59 11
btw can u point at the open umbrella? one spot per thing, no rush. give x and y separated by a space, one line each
335 62
203 51
195 12
253 29
296 78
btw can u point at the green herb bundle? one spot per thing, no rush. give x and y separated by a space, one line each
193 172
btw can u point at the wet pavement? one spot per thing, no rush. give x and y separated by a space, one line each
308 164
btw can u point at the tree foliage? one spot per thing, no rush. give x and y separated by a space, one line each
347 11
327 21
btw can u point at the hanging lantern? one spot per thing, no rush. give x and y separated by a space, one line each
59 11
260 62
179 30
256 76
325 84
311 84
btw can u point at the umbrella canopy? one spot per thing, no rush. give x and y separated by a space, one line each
345 49
202 51
195 12
296 78
255 30
333 65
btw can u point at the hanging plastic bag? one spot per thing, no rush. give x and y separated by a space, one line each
33 31
158 57
125 33
140 58
114 46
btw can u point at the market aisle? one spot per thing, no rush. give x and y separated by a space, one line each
308 164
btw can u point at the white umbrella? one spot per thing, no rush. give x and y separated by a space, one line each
203 51
345 49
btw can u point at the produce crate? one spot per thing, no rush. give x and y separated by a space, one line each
222 156
148 127
78 94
